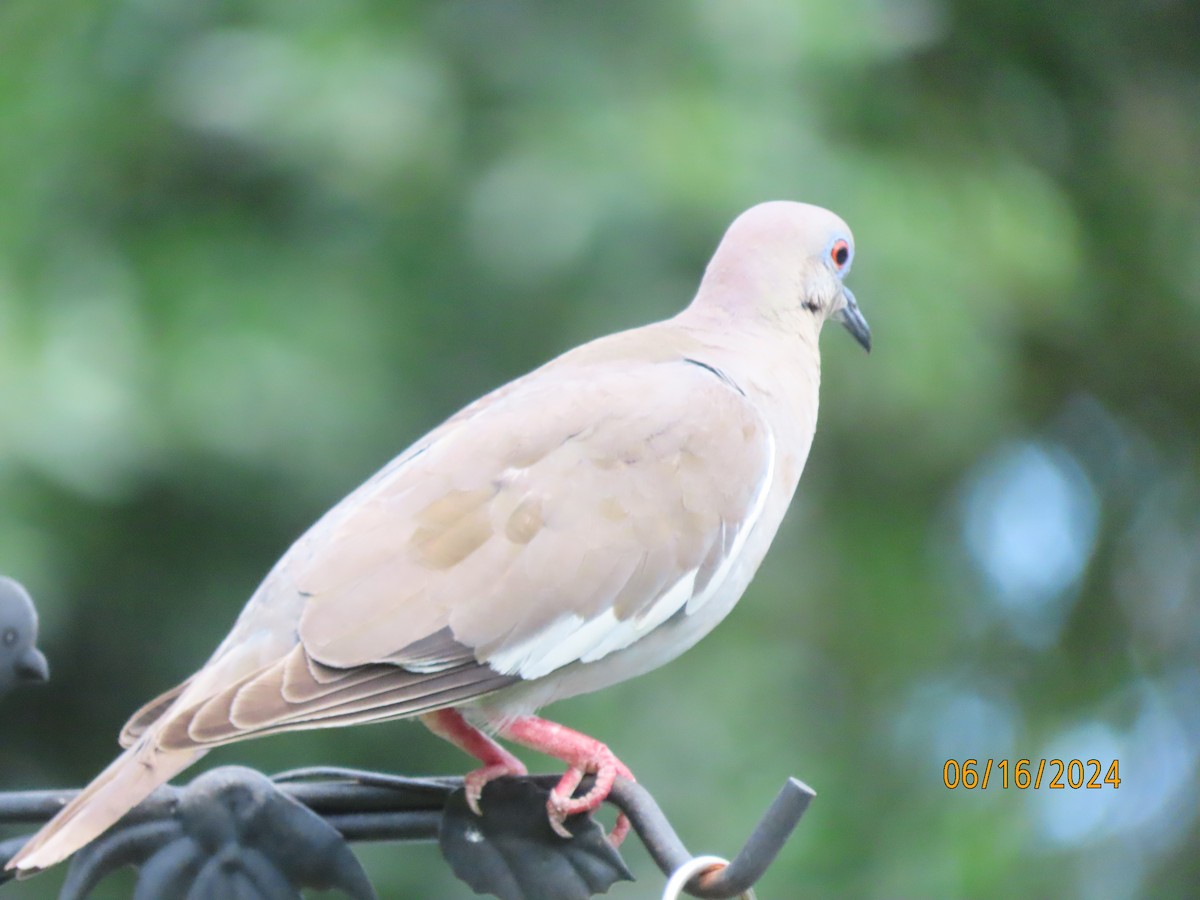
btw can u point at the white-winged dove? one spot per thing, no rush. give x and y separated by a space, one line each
576 527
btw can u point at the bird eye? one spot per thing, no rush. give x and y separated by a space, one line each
10 637
840 253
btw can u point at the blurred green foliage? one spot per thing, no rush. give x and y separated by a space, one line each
249 250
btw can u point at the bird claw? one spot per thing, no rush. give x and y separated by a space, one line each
557 819
557 824
620 831
583 755
476 781
561 804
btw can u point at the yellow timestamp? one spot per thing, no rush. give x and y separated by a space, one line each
1055 774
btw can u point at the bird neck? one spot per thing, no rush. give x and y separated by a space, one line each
753 321
774 358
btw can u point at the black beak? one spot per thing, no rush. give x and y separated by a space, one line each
32 666
852 318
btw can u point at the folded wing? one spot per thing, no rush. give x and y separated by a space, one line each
555 525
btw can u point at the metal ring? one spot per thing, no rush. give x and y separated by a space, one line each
689 870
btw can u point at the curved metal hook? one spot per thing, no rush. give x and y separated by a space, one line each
757 853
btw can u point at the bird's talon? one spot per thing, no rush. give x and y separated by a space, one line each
558 826
475 782
473 801
620 831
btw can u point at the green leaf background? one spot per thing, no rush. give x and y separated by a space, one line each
250 249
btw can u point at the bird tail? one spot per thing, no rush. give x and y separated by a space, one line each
130 778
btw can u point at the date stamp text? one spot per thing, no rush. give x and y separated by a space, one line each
1023 774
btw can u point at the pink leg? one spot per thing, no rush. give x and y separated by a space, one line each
497 762
584 756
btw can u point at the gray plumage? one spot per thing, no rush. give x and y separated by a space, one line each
20 659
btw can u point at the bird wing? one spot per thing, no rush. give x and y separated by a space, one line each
556 524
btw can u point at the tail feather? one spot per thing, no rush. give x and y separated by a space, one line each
139 723
130 778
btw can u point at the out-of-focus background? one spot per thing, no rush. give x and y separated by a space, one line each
250 250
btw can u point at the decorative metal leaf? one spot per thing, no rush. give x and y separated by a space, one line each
231 834
512 853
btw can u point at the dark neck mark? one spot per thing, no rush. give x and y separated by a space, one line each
725 378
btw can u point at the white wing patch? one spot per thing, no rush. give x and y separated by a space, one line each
696 601
572 638
542 652
622 633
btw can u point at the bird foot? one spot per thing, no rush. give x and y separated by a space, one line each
584 756
497 762
476 781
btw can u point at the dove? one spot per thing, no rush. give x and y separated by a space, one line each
20 659
574 528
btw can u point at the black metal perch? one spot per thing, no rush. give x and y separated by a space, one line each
234 832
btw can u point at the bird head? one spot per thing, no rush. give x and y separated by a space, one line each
787 262
20 659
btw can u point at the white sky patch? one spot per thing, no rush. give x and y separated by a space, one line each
945 719
1030 517
1159 763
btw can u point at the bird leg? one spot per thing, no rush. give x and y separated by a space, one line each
582 754
497 762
